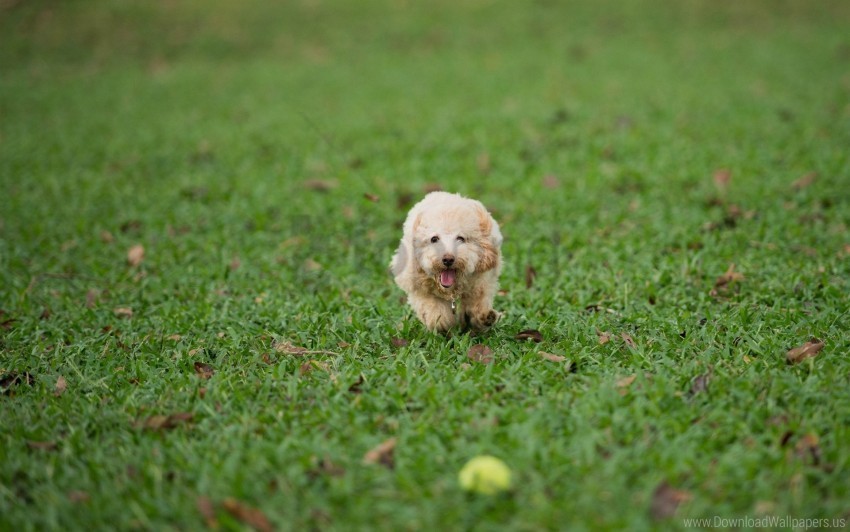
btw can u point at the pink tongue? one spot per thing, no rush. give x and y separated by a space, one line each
447 278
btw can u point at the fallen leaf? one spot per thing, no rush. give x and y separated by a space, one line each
326 467
130 225
480 353
398 342
731 276
356 387
627 338
311 365
529 334
700 384
551 357
175 337
343 345
42 445
383 453
404 201
135 255
45 314
665 501
604 337
721 178
808 350
249 515
123 312
106 237
551 182
91 298
623 384
311 265
204 371
530 275
286 347
206 508
161 422
372 197
808 445
60 387
320 185
78 496
804 181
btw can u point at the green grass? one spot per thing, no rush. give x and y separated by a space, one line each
200 130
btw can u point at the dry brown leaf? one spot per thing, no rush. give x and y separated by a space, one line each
123 312
721 178
91 298
61 386
357 386
700 383
204 371
624 383
135 255
808 350
808 445
383 453
320 185
249 515
161 422
665 501
480 353
729 277
326 467
175 337
398 342
604 337
78 496
529 334
374 198
106 237
43 445
530 275
551 182
287 347
627 338
311 365
552 357
206 508
804 181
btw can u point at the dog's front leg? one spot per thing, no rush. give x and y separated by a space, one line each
477 307
436 314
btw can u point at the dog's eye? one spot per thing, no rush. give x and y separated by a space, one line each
461 239
434 239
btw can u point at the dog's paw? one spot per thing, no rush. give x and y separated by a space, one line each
484 320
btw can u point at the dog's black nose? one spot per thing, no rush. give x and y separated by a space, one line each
448 260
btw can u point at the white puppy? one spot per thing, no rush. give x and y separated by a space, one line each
450 254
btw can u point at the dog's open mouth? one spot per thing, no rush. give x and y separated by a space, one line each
447 278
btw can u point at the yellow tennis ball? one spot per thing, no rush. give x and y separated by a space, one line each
485 474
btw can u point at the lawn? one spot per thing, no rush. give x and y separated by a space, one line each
200 201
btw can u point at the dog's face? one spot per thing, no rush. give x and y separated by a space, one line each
453 242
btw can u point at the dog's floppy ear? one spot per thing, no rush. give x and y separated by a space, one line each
491 238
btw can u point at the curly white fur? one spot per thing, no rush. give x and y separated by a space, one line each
450 252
